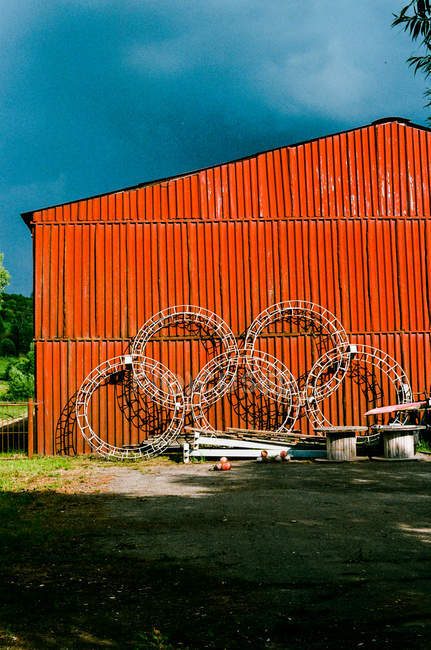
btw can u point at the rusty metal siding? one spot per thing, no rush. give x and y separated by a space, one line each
379 170
343 221
364 271
110 278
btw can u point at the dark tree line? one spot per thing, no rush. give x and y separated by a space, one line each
16 324
16 336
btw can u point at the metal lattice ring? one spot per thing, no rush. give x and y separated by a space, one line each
324 372
314 318
190 315
275 381
159 380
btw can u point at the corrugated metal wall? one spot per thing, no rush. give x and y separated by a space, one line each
342 221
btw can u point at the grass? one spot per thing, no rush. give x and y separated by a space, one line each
61 473
18 473
23 521
10 412
424 445
66 475
156 640
30 493
4 385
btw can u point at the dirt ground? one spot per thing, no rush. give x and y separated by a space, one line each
294 555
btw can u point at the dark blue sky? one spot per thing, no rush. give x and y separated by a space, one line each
97 95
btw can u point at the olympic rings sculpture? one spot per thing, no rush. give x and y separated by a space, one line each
269 375
265 373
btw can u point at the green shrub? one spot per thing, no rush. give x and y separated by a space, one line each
7 348
16 312
8 368
25 364
21 385
5 362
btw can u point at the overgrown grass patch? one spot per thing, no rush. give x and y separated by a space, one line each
9 412
20 473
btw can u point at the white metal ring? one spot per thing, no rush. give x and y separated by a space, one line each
324 373
186 315
157 375
313 319
273 380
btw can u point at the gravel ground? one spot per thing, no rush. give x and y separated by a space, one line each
306 554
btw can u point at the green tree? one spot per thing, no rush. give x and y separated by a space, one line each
20 377
21 331
7 348
4 276
415 17
16 313
21 385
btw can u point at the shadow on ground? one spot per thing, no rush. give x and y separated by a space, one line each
281 556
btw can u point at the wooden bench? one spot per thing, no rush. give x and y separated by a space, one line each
341 441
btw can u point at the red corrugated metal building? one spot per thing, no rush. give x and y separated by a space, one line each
343 221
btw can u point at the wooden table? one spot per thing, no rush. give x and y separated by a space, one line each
399 439
341 441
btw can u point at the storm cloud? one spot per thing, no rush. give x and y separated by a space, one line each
99 95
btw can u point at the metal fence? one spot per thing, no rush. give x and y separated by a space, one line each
17 427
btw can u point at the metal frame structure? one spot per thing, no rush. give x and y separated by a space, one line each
323 371
187 316
312 319
263 372
155 373
268 374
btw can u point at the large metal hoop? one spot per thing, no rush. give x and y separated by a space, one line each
317 318
174 401
363 353
276 382
186 315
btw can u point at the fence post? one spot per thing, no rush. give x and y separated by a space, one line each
30 428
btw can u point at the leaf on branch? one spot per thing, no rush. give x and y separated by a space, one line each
423 7
420 63
418 24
